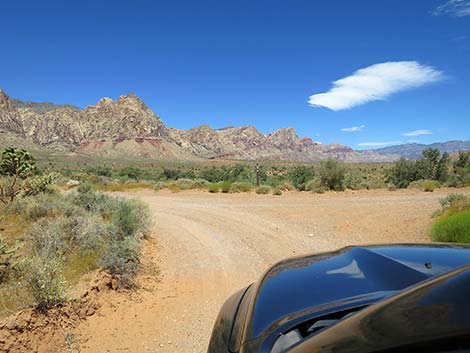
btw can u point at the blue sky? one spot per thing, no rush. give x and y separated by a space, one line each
231 63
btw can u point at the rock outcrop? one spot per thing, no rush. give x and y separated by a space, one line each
128 128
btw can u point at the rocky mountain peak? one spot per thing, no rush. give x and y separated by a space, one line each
128 127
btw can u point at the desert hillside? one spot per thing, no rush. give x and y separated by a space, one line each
128 127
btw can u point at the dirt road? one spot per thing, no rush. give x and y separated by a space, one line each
207 246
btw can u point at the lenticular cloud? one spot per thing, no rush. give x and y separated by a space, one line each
376 82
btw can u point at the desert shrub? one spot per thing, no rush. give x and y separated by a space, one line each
95 202
240 187
277 191
44 279
263 189
332 174
371 184
121 260
47 237
100 171
460 175
431 185
425 185
35 207
450 199
187 184
213 188
391 187
433 165
7 254
354 180
130 173
453 228
200 183
130 218
159 185
456 206
225 186
403 173
300 175
315 185
286 186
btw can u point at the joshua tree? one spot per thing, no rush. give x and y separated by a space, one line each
15 164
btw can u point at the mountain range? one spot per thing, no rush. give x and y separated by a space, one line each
414 150
128 127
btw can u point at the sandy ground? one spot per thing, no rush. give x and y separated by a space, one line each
207 246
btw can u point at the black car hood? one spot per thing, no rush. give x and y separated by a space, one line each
432 316
354 275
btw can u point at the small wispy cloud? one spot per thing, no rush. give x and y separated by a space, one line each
353 128
417 133
454 8
412 141
376 82
378 144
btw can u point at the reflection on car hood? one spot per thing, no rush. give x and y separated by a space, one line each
296 286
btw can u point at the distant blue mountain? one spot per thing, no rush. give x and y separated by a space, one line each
413 150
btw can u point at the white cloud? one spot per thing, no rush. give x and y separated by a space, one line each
412 141
353 128
417 133
454 8
378 144
376 82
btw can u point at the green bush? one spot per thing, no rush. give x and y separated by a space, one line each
240 187
213 188
332 174
225 186
354 180
453 228
315 186
300 175
263 189
188 184
425 185
431 185
277 191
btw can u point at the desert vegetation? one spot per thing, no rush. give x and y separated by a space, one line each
428 173
49 239
452 223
